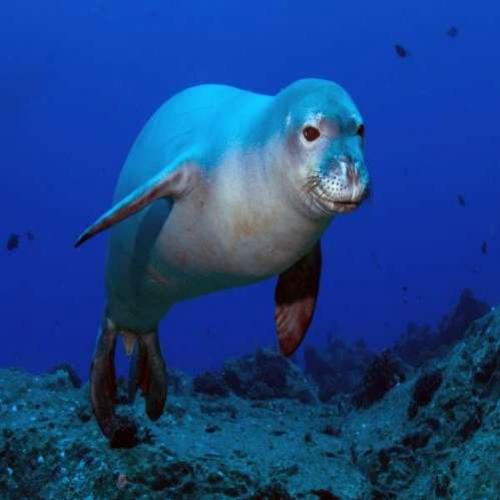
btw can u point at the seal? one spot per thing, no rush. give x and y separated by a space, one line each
222 188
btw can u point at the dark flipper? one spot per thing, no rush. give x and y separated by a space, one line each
136 369
103 377
147 371
295 297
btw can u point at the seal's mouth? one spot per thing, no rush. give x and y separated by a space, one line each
329 204
330 195
346 206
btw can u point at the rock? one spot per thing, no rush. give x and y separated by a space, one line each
419 344
259 390
338 369
323 494
172 475
210 383
453 431
124 434
212 428
178 383
454 326
416 345
50 447
83 412
330 430
424 390
267 375
73 377
381 375
274 491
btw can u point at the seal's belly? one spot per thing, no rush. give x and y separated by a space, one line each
203 247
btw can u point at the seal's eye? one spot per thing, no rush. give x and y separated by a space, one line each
310 133
361 131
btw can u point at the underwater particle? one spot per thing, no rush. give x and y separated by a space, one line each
461 200
484 247
12 242
401 51
452 32
30 236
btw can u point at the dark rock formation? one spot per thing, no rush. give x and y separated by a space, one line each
66 368
419 344
454 326
338 369
269 448
423 390
453 431
416 344
267 375
210 383
381 375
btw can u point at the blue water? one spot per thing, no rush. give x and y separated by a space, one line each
79 79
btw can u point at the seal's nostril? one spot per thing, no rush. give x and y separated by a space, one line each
352 174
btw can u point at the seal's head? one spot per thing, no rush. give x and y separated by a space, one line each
323 136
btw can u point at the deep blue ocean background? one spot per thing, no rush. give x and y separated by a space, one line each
78 80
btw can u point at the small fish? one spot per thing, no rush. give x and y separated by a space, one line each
404 288
13 242
400 51
30 236
452 32
484 247
461 200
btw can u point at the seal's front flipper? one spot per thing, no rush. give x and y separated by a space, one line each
295 298
171 182
103 377
147 371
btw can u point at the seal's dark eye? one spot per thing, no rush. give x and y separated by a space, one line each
361 131
310 133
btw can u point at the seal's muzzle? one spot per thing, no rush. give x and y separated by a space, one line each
345 185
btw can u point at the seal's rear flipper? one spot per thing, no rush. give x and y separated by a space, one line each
171 182
103 378
295 298
147 371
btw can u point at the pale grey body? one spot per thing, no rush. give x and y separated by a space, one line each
222 188
237 225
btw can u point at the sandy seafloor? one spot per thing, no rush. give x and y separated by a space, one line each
434 434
